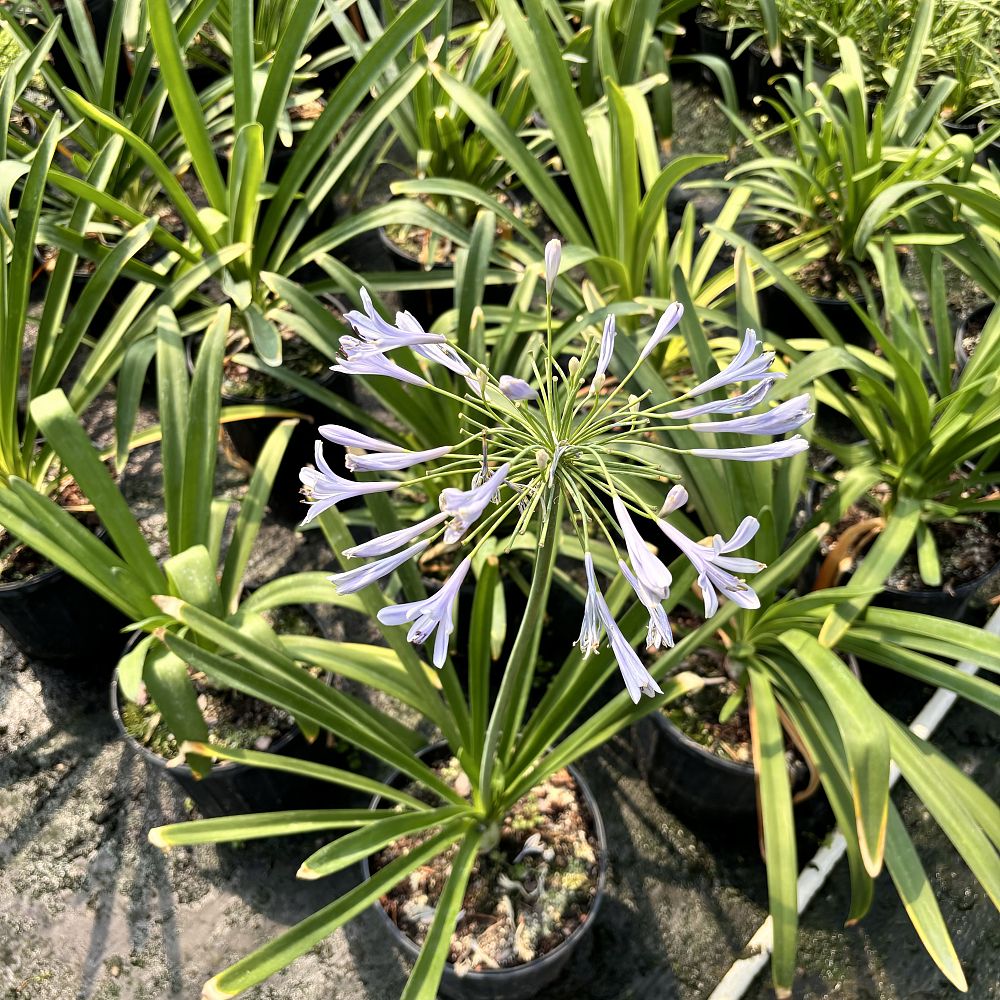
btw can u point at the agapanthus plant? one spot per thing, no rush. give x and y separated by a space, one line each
552 449
547 462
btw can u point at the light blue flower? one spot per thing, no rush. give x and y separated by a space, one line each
353 580
434 613
384 544
756 453
781 419
324 489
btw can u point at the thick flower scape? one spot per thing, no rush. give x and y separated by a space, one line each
564 438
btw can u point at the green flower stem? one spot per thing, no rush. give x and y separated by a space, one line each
503 722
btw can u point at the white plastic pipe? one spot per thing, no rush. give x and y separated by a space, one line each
743 971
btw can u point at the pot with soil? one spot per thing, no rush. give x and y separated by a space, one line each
702 768
237 721
242 386
52 617
510 943
831 286
414 250
969 332
716 41
969 554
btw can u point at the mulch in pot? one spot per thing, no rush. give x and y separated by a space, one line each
519 905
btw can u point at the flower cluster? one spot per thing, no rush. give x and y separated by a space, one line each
560 444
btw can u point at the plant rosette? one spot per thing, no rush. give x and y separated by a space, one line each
531 901
540 459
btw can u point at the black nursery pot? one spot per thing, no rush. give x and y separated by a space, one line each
55 619
716 42
520 982
780 313
955 605
718 797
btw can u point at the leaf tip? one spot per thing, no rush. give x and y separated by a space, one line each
167 604
157 839
307 873
212 991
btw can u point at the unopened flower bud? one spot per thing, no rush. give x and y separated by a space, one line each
598 384
553 255
574 367
542 458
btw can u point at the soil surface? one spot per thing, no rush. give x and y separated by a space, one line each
525 897
968 550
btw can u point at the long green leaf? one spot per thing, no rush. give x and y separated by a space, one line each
282 950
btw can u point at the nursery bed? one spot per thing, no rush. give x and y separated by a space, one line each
90 910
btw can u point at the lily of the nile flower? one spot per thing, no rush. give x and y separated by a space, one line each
715 568
591 628
743 368
358 358
350 438
653 575
432 613
756 453
466 506
658 632
394 461
783 418
735 404
516 388
638 680
439 350
387 543
667 322
324 489
561 447
382 335
606 351
553 256
353 580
